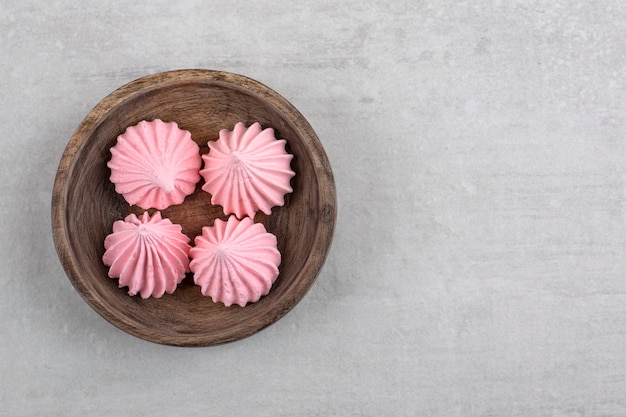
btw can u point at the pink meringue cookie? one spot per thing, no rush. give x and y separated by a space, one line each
247 170
155 164
235 261
149 255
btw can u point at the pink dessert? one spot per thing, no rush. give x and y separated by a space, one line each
155 164
235 261
247 170
149 255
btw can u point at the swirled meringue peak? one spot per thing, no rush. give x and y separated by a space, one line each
235 261
247 170
149 255
155 164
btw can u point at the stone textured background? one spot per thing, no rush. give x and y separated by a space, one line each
478 263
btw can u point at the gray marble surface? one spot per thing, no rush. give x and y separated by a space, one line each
478 263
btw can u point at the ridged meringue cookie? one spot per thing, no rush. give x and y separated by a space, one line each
235 261
247 170
149 255
155 164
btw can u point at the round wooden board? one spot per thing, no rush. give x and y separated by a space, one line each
85 205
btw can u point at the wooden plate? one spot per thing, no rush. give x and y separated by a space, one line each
85 205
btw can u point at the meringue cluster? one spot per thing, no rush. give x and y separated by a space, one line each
155 164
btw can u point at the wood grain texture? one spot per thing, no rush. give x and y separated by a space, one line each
85 205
